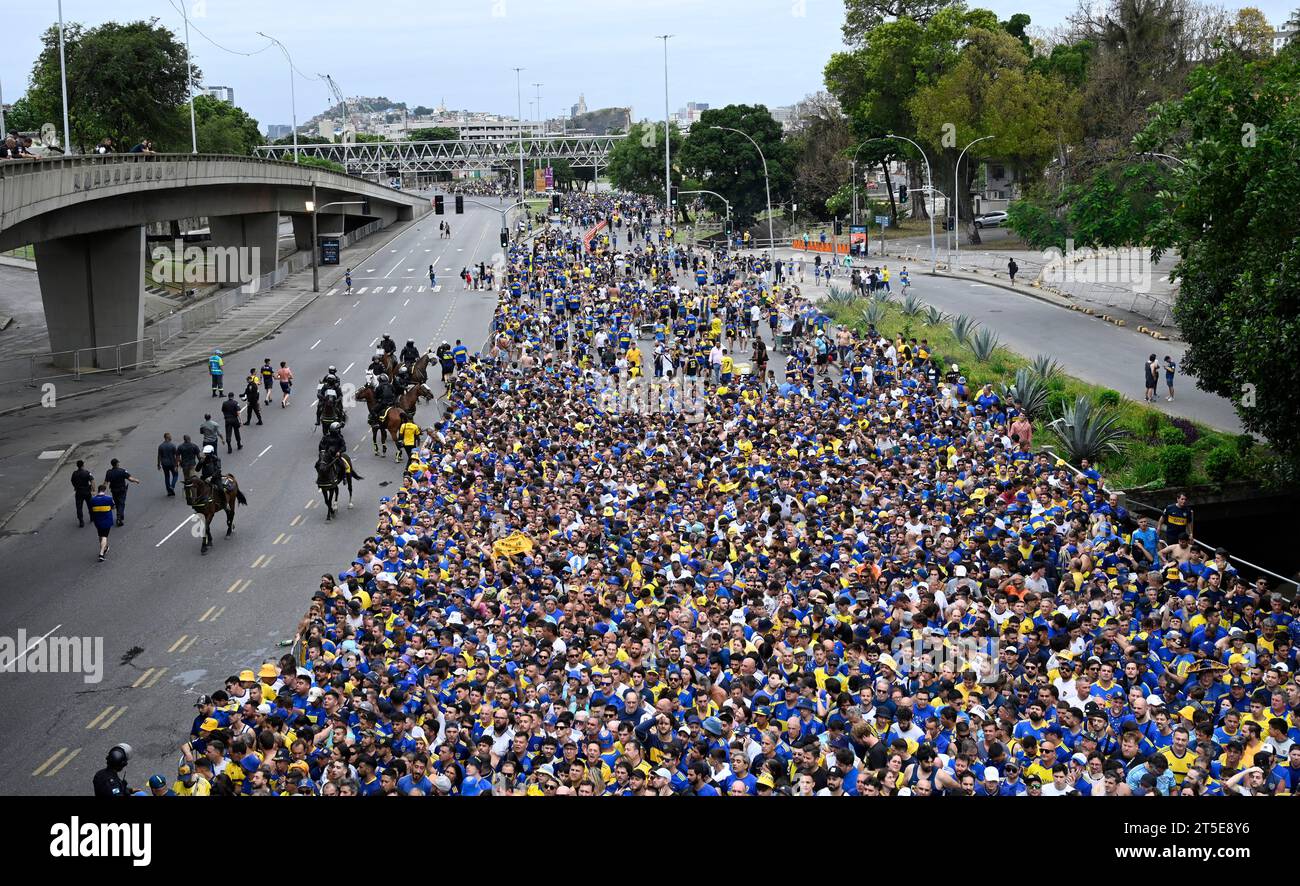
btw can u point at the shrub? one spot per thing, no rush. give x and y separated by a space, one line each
1191 433
1245 443
983 342
1109 398
1222 464
1046 366
838 295
912 306
962 327
1147 472
1176 464
1088 432
1029 391
1151 424
1173 437
934 316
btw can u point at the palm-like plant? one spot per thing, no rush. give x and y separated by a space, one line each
1030 391
838 295
1087 431
1045 367
983 342
873 315
883 295
934 316
912 306
962 326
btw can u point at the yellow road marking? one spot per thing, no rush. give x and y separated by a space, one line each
111 720
140 679
241 586
257 562
267 561
102 714
278 538
177 644
216 615
153 681
204 616
54 756
187 646
234 584
64 762
296 520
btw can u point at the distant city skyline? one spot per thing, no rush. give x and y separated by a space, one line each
768 52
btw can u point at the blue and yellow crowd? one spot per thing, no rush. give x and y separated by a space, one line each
844 574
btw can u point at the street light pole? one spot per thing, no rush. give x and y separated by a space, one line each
956 192
63 80
934 256
668 163
293 93
189 79
519 114
726 227
767 186
313 210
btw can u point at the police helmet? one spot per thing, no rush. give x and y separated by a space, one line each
332 370
336 427
208 450
382 379
118 756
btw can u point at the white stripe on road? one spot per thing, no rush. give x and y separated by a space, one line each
421 289
356 304
38 641
338 321
392 289
318 341
408 301
375 342
332 292
361 291
392 321
184 523
349 369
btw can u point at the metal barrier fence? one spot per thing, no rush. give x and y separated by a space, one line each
36 369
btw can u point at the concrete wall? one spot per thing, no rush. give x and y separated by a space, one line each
259 230
93 292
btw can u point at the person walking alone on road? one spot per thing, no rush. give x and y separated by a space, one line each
117 478
230 409
251 396
1012 270
285 375
187 456
101 514
169 461
216 368
1170 369
1151 375
83 487
347 279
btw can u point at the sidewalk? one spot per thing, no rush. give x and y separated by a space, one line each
240 328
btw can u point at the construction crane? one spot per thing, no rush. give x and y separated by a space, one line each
343 105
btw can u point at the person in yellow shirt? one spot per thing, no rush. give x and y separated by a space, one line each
190 784
407 434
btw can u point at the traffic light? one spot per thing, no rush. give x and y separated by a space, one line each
839 227
365 207
438 207
505 238
673 195
555 203
902 193
460 205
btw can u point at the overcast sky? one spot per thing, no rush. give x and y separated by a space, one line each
463 51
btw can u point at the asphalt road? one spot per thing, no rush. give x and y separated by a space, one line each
174 623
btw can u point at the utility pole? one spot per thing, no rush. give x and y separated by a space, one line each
63 79
519 114
189 79
668 161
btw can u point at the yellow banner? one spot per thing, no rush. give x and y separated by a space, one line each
515 543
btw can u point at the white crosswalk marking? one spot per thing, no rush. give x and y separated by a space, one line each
421 289
392 289
438 288
362 290
406 289
332 292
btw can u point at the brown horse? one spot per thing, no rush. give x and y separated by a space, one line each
388 424
420 369
206 504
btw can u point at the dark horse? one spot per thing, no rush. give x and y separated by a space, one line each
331 473
207 502
387 425
420 368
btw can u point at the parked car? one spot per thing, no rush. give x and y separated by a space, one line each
991 219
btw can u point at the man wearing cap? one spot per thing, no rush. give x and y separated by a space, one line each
190 784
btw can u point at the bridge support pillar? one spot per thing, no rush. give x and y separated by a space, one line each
256 230
92 286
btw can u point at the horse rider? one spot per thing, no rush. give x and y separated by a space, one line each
332 444
385 397
376 367
410 353
331 382
401 381
387 345
327 405
208 472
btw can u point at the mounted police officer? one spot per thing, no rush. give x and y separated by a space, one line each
410 353
387 345
376 367
385 397
331 382
332 444
401 381
327 407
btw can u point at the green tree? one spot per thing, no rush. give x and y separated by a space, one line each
820 144
434 134
318 162
726 162
1229 213
222 128
861 17
636 163
125 82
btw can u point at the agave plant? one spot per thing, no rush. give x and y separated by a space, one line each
912 306
1030 391
982 342
873 315
934 316
1087 431
1045 367
838 295
962 327
883 295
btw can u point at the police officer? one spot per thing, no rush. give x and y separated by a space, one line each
188 454
331 382
385 396
388 346
332 443
253 396
209 467
83 483
230 409
401 381
117 478
328 403
216 368
108 782
410 353
376 367
168 462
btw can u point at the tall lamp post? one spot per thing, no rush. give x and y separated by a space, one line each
726 227
854 165
668 163
956 197
293 93
189 80
519 115
767 186
63 81
313 210
934 255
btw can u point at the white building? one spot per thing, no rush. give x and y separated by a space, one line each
221 93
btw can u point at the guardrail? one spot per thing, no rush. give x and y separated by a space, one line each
34 370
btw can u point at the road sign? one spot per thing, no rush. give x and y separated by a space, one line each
329 250
882 220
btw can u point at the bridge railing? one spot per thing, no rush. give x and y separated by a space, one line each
34 370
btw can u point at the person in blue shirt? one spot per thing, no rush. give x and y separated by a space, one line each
101 514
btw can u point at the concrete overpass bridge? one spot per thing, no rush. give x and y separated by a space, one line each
381 158
86 217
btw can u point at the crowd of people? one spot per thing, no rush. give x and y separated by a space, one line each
843 574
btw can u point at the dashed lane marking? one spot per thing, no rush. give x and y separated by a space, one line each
51 760
296 520
258 562
315 346
177 644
